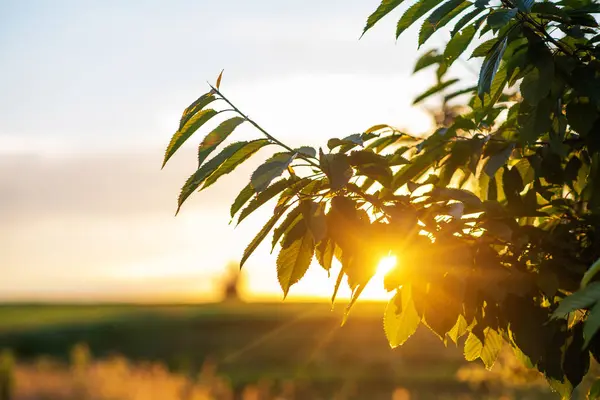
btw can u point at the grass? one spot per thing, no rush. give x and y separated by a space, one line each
299 342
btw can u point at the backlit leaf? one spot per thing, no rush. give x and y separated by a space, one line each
271 169
583 298
433 90
464 20
337 168
490 66
473 348
491 348
236 159
241 199
427 59
216 137
294 259
458 44
290 220
264 196
414 12
195 121
400 324
440 17
384 8
261 235
206 170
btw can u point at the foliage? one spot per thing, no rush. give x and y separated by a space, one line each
495 216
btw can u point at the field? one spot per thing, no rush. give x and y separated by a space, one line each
301 343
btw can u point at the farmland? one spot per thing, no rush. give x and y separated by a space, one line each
281 342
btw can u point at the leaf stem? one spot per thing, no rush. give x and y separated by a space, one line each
253 123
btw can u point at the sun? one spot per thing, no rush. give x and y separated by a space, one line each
386 264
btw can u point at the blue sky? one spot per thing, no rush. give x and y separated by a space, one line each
91 91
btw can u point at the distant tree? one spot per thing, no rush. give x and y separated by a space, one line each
495 216
231 283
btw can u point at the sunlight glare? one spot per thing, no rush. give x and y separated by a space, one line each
386 264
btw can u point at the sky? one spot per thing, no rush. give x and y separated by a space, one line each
90 94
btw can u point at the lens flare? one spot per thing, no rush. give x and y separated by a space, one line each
386 264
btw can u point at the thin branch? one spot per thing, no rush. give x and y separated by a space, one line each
270 137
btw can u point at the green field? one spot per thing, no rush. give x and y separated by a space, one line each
303 342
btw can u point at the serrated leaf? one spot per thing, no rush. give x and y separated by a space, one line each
191 125
196 106
205 171
458 44
473 348
534 86
484 48
294 259
216 137
261 235
384 8
314 214
440 17
244 153
581 299
337 168
497 160
459 329
489 67
265 196
501 17
429 58
241 199
433 90
271 169
491 348
464 20
324 252
413 13
306 151
400 324
293 217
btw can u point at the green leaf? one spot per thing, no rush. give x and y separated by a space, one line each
484 48
294 258
473 348
196 106
497 160
337 168
524 5
244 153
591 325
271 169
241 199
216 137
581 116
293 217
464 20
594 392
413 13
489 67
324 252
581 299
590 273
534 86
384 8
435 89
500 18
491 348
427 59
206 170
400 323
306 151
261 235
184 133
458 44
314 215
440 18
265 196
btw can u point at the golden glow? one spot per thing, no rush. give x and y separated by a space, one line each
386 265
